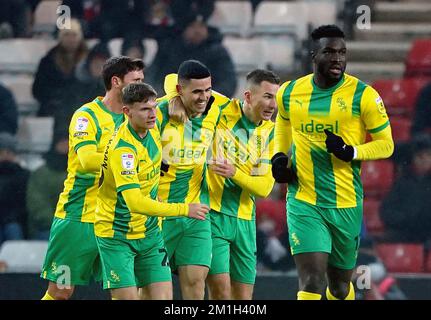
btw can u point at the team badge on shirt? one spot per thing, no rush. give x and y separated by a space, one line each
81 124
128 161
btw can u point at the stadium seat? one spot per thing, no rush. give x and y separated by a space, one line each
276 210
276 17
23 255
373 223
45 16
402 257
35 133
278 52
428 262
23 55
232 17
21 85
418 62
377 177
399 95
246 53
401 128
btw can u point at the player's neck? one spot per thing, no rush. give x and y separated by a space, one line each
323 82
248 112
113 102
139 131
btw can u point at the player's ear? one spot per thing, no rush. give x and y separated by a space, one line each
179 89
126 110
247 96
115 81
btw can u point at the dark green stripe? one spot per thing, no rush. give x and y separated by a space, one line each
124 144
128 186
76 197
196 128
356 104
324 180
230 199
122 218
293 187
320 99
270 138
153 192
380 128
84 143
163 106
96 121
286 95
152 148
357 183
180 186
204 196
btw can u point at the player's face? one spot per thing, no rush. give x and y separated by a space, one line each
262 100
135 76
142 115
330 58
195 95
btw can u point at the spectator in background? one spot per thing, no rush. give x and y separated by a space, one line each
133 48
422 119
14 18
199 42
13 184
55 78
89 75
8 111
406 210
44 186
182 11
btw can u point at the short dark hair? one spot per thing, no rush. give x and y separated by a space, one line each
257 76
119 66
327 31
138 92
193 69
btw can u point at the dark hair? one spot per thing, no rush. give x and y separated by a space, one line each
119 66
257 76
138 92
327 31
193 69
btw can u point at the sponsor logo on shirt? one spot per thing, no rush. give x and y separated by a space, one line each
81 124
127 161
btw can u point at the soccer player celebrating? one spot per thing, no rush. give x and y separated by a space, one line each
324 117
72 257
128 234
187 124
239 171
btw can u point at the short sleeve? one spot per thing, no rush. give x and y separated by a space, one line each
373 112
82 130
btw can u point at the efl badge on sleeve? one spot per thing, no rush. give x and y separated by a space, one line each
128 161
81 124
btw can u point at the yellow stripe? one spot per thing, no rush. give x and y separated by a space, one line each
279 97
244 209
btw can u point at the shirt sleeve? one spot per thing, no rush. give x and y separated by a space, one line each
373 112
376 120
283 128
82 130
123 163
260 181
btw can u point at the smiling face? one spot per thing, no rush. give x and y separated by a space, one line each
329 59
261 98
195 94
